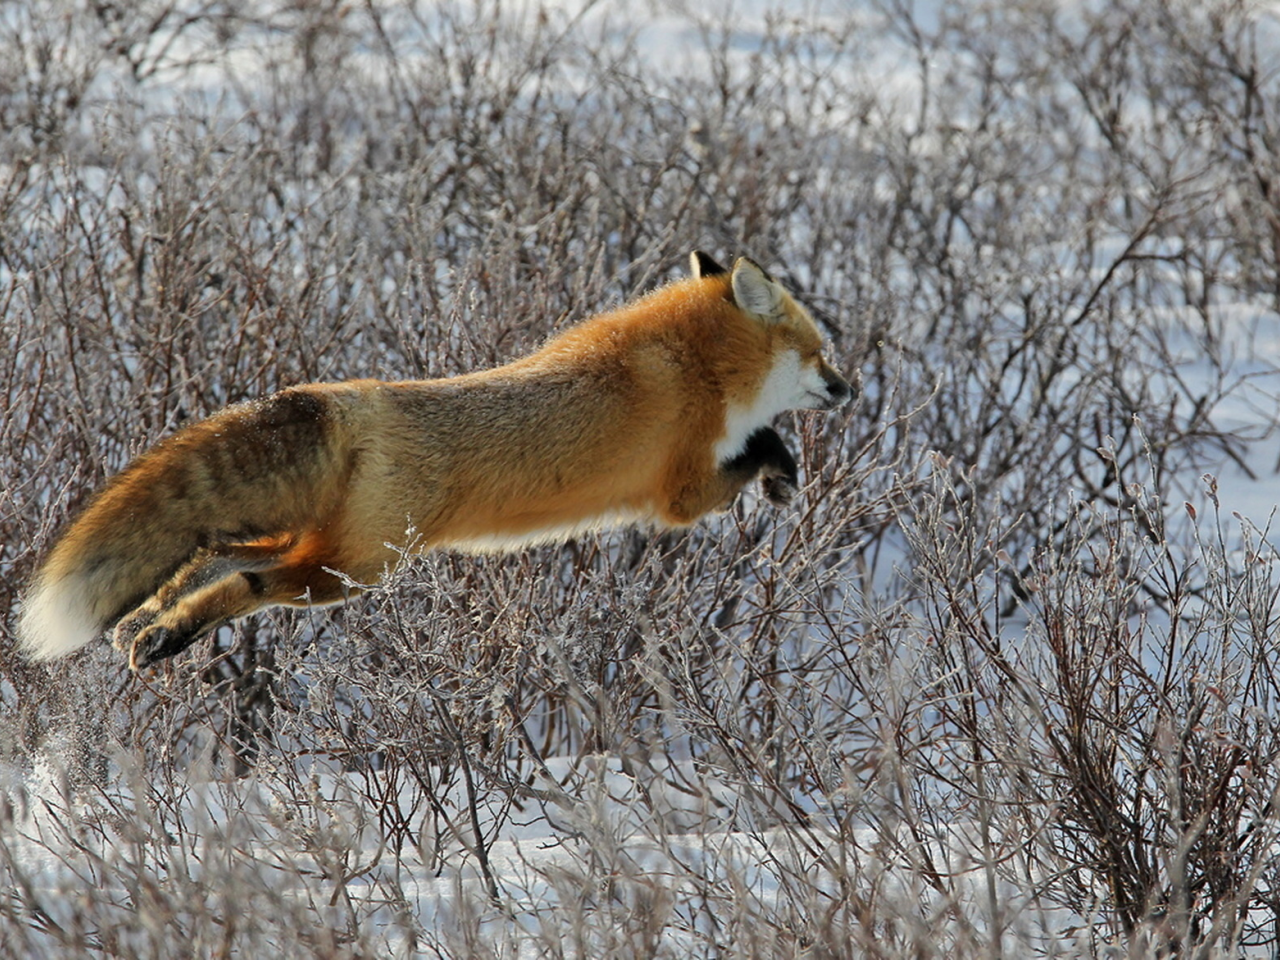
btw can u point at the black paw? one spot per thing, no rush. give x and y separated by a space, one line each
157 643
779 490
768 456
128 627
764 452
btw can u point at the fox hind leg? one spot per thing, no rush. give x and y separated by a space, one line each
162 633
234 596
207 566
223 584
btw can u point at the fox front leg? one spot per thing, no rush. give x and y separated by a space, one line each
767 456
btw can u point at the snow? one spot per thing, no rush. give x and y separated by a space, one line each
543 862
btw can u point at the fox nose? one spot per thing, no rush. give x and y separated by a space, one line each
839 391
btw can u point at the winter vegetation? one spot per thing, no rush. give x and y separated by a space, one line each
1001 682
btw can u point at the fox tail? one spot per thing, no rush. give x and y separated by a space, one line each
246 473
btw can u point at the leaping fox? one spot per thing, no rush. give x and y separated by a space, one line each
657 412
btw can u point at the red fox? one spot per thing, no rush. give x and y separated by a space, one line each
657 412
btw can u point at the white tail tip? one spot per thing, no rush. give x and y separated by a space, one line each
55 619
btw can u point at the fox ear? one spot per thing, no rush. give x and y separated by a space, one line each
755 291
703 266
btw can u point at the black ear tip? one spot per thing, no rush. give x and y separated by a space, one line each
704 266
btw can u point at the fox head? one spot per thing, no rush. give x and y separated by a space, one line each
798 376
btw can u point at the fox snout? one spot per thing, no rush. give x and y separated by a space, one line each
839 390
